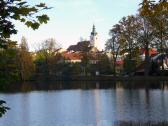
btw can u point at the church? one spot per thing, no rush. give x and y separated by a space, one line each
74 52
91 45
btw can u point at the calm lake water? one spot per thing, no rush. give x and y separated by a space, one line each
87 104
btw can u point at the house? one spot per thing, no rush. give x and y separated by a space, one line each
152 52
72 57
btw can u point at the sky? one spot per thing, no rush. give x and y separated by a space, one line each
71 20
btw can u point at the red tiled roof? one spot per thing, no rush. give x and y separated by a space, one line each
72 56
151 51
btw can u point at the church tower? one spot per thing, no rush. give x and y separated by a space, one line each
94 37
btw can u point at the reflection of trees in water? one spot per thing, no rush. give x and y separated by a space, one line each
60 85
147 85
131 123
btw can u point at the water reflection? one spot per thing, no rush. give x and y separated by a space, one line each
36 86
104 104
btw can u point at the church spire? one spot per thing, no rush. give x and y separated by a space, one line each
94 31
93 37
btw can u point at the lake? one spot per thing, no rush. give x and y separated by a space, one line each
87 104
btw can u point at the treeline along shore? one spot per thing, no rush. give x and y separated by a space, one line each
138 45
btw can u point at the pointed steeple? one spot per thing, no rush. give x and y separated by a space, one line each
94 31
93 37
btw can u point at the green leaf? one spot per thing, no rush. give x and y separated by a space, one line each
41 5
43 19
28 23
2 102
22 3
22 20
16 17
35 26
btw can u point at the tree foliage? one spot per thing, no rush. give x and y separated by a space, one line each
114 44
8 67
148 29
21 11
129 31
25 61
48 57
3 108
155 20
15 10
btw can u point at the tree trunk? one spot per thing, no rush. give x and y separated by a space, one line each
147 61
114 67
161 47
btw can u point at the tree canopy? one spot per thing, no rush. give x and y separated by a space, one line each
19 10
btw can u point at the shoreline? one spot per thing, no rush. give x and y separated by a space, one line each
103 78
88 83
